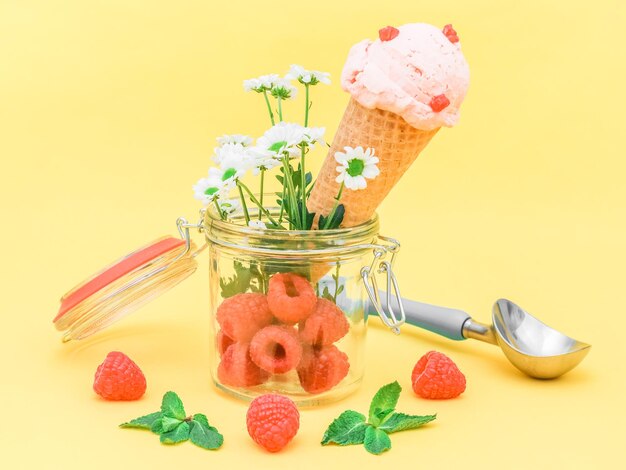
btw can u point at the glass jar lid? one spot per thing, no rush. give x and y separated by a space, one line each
127 284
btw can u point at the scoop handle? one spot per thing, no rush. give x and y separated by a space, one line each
444 321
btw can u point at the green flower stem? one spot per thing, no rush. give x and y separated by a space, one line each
302 169
259 205
306 111
332 213
282 205
269 106
288 175
219 211
243 203
261 194
336 282
303 185
280 108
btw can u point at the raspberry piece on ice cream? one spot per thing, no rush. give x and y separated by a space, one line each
388 33
439 103
450 33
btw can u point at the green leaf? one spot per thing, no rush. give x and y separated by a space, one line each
376 441
204 435
308 191
385 399
202 419
401 422
327 295
179 434
143 422
238 283
295 178
349 428
157 426
173 426
309 217
336 220
172 406
169 424
381 416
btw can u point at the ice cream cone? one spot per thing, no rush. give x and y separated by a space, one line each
396 143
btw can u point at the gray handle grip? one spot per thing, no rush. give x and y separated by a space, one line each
444 321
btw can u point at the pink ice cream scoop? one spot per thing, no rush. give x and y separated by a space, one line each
416 71
404 87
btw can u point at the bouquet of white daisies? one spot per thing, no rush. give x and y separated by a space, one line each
283 148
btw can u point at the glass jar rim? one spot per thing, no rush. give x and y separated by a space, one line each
364 229
232 234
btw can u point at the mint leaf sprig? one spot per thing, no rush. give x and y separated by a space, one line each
351 427
173 425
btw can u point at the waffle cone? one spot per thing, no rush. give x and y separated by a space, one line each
396 143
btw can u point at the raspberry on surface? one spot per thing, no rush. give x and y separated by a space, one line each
276 349
242 315
388 33
322 368
119 378
291 298
435 376
450 33
223 341
237 369
272 421
439 103
326 325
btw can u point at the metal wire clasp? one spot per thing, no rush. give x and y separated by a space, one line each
183 227
381 265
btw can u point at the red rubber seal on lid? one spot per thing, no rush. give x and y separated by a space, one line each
113 273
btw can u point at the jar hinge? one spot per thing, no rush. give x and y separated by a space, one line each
183 227
381 265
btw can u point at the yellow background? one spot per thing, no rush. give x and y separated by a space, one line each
108 114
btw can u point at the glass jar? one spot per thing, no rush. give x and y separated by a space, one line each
295 303
288 308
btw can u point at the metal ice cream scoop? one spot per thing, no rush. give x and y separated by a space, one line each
532 346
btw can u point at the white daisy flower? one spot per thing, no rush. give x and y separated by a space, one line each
283 89
262 159
307 77
244 140
356 164
215 187
224 178
229 206
281 139
313 135
204 191
234 156
257 224
262 83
